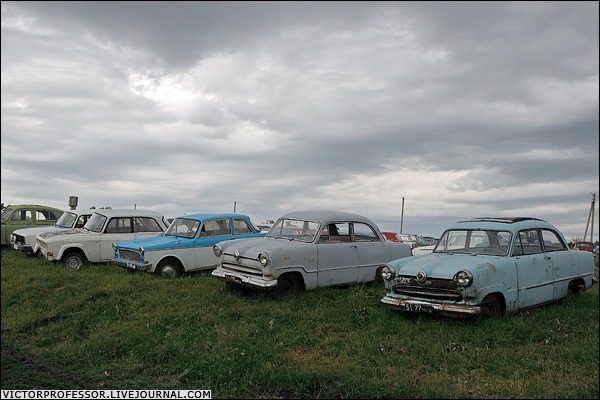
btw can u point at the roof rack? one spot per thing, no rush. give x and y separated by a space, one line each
505 220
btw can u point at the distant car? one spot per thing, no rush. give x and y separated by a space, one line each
585 246
428 241
26 216
306 250
391 236
419 250
25 239
186 246
489 267
93 242
412 239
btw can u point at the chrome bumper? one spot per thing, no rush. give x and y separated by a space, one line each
245 280
442 308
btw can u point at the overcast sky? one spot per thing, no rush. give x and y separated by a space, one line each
464 109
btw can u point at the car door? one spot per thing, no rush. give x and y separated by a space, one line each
535 271
371 251
118 229
338 256
211 233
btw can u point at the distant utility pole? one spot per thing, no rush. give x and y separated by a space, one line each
234 205
590 216
402 216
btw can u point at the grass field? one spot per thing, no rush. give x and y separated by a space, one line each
105 328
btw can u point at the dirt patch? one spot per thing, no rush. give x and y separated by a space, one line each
22 371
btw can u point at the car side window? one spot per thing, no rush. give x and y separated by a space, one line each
552 241
22 215
81 221
240 226
364 233
339 233
528 242
145 224
217 227
119 225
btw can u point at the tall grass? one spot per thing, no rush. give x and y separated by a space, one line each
103 327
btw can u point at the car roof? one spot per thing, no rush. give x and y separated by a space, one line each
503 223
324 216
80 212
18 206
127 213
211 216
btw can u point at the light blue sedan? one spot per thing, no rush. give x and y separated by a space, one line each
489 267
186 246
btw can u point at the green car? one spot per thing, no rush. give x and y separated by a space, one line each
26 216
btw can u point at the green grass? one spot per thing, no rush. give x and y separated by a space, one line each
104 327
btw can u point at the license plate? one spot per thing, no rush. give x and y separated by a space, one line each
131 266
232 279
418 308
16 246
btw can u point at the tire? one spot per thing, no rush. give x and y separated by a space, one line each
378 278
169 269
574 289
490 308
74 260
287 284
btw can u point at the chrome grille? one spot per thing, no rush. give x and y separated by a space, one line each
428 292
129 255
241 268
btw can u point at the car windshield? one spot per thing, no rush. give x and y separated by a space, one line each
183 227
473 241
95 223
6 212
294 229
67 220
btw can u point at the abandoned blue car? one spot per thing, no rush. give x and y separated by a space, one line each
489 267
186 245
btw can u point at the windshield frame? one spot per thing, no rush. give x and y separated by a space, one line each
473 241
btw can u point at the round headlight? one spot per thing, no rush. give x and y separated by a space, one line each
464 278
387 273
217 250
263 259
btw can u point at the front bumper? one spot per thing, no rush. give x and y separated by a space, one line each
245 280
132 265
22 247
430 307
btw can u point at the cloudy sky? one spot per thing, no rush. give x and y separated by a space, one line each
462 109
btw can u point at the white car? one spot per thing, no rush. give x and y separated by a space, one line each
308 249
24 239
93 242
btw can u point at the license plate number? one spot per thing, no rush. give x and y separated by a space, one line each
232 279
418 308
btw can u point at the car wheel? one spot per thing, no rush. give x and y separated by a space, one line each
169 269
74 261
378 278
491 308
287 284
573 289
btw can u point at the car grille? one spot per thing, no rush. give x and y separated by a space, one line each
245 269
435 289
129 255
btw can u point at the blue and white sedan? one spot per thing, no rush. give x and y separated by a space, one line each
186 245
489 267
